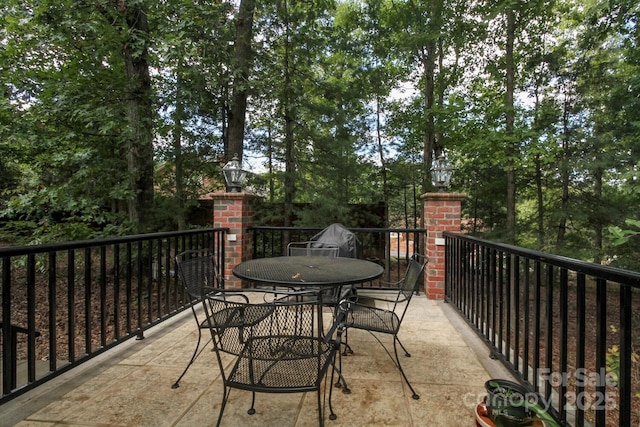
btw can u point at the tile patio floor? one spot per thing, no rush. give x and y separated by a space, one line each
131 385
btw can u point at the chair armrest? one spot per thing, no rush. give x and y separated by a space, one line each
268 295
371 298
206 290
395 284
228 294
397 298
282 294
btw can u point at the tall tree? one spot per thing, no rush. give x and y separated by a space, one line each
139 112
191 126
510 143
241 70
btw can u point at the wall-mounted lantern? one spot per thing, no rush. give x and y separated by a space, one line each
441 172
234 175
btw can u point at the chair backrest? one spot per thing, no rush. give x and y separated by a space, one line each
415 271
236 322
278 346
260 335
312 248
197 270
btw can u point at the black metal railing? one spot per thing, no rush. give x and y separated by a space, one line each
567 328
390 247
63 304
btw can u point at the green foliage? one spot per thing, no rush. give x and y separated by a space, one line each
327 114
507 396
621 236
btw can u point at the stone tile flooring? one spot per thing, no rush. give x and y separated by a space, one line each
131 385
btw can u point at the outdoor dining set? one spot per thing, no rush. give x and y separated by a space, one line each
287 331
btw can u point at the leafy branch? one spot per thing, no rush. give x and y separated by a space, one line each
621 236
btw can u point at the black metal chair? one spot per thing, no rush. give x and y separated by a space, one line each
312 248
316 249
197 272
278 346
373 319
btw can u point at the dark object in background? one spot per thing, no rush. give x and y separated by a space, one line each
337 234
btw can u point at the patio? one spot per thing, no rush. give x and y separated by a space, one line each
131 384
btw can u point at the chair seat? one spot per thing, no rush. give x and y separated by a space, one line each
279 364
236 317
372 319
221 317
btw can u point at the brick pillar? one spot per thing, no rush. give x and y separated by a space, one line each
235 212
441 212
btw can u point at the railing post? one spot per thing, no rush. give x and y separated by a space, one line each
235 212
441 212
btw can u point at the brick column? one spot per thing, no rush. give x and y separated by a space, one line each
235 212
441 212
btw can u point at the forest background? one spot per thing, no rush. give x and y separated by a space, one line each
116 115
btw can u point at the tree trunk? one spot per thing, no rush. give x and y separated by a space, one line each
510 149
177 150
441 85
140 118
289 173
429 127
538 176
564 172
289 124
242 64
383 163
428 54
271 169
540 199
597 223
429 63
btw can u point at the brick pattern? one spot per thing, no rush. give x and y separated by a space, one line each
442 212
234 211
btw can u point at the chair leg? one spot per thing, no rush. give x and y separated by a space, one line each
347 348
252 410
225 397
406 353
345 336
396 341
342 382
320 410
193 357
332 415
415 395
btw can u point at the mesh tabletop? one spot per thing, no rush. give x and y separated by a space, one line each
308 270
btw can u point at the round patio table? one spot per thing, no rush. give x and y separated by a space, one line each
308 270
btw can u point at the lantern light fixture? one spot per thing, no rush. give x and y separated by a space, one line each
441 172
234 175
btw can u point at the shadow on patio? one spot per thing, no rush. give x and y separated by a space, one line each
131 385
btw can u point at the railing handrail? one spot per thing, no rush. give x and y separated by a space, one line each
144 279
81 244
104 291
361 229
614 274
552 321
